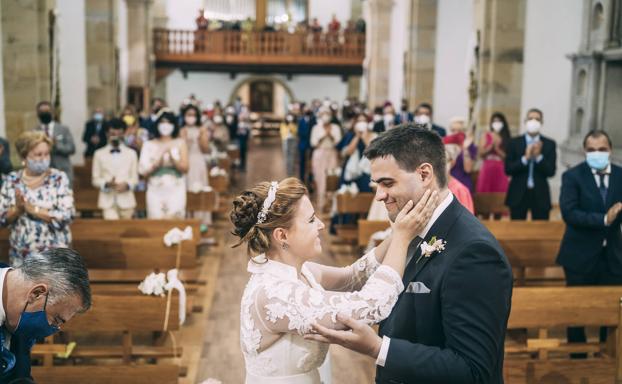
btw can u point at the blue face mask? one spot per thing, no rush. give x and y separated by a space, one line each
98 116
597 160
37 167
34 325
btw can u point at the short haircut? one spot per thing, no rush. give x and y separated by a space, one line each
596 133
537 111
115 123
424 105
30 139
63 270
42 103
411 145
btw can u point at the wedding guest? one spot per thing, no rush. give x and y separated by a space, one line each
219 133
404 116
531 159
243 134
463 165
164 162
492 150
378 120
61 139
355 167
305 125
135 135
149 122
423 116
94 132
36 202
324 137
231 121
5 159
289 131
197 142
591 202
459 190
115 174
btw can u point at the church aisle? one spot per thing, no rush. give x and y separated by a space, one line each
221 357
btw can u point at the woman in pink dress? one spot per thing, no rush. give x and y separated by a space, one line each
492 177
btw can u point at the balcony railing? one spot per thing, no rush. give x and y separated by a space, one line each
258 48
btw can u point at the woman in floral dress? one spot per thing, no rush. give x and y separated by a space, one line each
36 203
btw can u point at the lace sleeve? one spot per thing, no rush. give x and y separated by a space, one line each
346 279
292 307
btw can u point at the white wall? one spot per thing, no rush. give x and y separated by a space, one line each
324 10
454 29
212 86
182 13
72 70
399 42
553 30
122 44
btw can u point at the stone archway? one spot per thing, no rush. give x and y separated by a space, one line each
251 79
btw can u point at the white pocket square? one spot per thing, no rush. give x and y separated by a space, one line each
417 287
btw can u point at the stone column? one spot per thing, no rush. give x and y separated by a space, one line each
25 62
140 42
420 54
354 82
378 49
102 55
501 27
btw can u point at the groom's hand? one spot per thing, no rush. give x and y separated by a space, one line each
360 338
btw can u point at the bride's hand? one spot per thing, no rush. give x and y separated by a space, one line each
411 221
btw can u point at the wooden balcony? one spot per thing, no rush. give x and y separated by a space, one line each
259 52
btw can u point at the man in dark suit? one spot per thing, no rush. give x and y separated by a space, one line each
591 201
449 324
423 116
94 133
404 116
530 161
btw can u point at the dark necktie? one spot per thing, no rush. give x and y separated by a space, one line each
115 150
602 188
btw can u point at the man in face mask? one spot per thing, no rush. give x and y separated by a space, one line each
115 174
405 116
591 201
423 117
62 139
38 297
94 132
149 123
530 160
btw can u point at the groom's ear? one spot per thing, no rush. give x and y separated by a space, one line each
426 172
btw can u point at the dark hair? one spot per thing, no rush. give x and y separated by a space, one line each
537 111
115 123
424 105
596 133
411 145
378 110
42 103
505 131
170 116
64 272
159 100
188 108
249 203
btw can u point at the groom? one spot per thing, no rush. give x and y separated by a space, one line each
448 326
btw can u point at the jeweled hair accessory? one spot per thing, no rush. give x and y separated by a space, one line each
267 203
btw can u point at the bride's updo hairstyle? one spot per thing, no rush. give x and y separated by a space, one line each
248 205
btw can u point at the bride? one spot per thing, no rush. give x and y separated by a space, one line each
286 293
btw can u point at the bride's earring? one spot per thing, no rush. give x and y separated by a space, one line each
285 246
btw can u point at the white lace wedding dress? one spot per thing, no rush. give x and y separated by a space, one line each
278 308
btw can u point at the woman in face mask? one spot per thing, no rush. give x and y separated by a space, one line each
492 149
164 162
134 135
36 203
219 133
324 138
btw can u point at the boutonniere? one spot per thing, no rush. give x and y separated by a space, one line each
435 245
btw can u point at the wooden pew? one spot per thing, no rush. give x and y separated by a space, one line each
219 183
489 204
531 248
106 374
352 204
545 359
366 228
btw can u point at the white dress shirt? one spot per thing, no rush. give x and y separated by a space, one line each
386 341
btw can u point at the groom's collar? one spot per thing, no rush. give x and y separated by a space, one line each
437 213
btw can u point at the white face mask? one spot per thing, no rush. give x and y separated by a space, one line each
166 129
361 126
377 118
191 120
229 119
497 126
422 119
218 119
388 118
533 126
325 119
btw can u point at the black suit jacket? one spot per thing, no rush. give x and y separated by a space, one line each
454 333
440 130
90 129
584 211
519 172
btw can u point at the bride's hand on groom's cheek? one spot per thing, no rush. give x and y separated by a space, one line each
359 337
